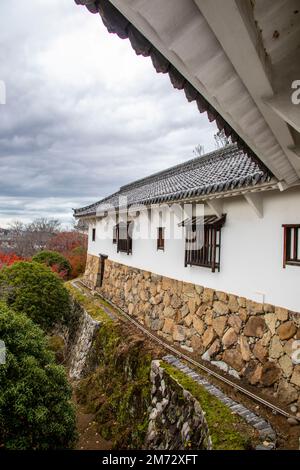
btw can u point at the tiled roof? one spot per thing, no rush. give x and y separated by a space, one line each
219 171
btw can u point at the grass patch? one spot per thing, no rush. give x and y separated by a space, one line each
227 431
93 306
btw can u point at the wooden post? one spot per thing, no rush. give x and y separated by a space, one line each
284 246
295 249
100 274
214 234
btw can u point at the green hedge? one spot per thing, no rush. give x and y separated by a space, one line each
35 407
33 289
54 259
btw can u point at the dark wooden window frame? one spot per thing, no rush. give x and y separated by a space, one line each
161 238
93 234
209 254
124 244
291 248
115 235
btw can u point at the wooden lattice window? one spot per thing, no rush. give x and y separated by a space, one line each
291 245
160 238
203 241
124 237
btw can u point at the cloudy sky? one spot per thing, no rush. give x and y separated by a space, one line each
84 114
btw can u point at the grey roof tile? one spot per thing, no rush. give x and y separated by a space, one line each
222 170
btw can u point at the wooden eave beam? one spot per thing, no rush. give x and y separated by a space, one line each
255 201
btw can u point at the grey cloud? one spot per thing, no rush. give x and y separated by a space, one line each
84 115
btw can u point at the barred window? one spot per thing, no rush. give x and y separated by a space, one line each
203 241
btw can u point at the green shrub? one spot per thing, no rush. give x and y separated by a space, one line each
54 260
35 407
33 289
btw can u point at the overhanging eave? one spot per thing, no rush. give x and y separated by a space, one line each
168 33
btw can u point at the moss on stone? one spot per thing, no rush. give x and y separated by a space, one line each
57 345
227 430
120 408
118 392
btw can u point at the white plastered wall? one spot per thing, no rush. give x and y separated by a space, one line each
251 254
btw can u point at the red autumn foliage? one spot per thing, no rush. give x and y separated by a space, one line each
73 246
6 259
77 262
55 268
66 242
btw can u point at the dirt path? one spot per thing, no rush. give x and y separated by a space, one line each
89 438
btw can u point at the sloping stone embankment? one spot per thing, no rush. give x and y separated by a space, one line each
255 342
135 401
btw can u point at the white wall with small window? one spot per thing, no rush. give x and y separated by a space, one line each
252 249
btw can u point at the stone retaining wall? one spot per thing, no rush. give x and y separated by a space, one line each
176 420
250 340
72 343
81 348
91 270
